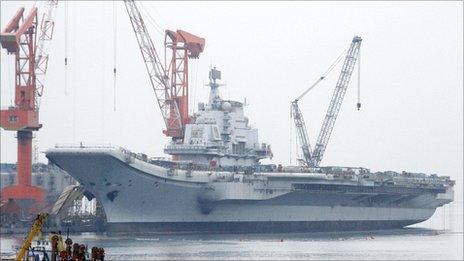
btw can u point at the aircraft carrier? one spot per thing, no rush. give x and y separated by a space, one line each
215 183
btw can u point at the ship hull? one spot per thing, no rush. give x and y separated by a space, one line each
138 197
256 227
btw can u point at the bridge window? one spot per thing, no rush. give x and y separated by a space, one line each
13 118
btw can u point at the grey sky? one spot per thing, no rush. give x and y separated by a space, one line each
269 52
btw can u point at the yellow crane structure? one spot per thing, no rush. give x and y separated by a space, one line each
36 229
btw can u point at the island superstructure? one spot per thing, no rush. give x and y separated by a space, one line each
219 135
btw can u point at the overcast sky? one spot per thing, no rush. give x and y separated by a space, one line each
268 52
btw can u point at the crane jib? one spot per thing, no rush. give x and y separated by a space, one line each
169 82
313 158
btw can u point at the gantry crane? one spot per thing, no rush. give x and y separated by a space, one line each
313 158
169 82
29 42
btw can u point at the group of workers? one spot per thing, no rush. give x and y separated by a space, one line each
70 251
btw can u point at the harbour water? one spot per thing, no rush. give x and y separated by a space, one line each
425 241
412 244
439 238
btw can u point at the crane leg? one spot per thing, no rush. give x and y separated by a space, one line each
23 192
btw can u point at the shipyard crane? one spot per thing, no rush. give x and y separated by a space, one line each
28 42
36 229
301 126
313 158
169 81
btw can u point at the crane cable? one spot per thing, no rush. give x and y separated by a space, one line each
115 17
71 48
358 105
73 76
195 86
331 67
103 52
152 21
290 141
66 48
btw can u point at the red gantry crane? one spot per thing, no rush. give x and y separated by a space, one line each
169 81
28 41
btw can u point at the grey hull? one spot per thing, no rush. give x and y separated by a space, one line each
141 197
257 227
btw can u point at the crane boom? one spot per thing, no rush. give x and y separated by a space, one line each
155 69
301 126
35 231
170 82
45 36
302 133
336 101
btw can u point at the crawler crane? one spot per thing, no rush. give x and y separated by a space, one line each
312 158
